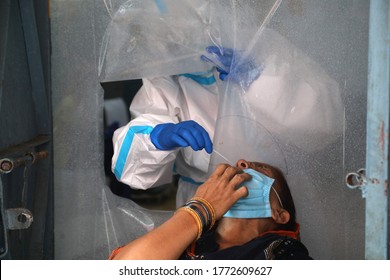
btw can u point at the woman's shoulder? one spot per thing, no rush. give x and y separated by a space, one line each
285 248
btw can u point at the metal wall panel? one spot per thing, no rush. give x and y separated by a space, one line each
25 125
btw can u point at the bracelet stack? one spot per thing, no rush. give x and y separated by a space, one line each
205 219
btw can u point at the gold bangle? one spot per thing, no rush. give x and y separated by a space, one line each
207 219
209 206
196 218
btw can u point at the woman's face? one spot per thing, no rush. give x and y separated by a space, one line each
267 170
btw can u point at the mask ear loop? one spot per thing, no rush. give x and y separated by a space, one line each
281 204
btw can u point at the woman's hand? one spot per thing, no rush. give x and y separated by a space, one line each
221 191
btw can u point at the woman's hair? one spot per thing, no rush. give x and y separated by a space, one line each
283 190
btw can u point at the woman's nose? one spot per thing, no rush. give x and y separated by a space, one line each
243 164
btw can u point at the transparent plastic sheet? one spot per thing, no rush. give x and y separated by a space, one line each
89 220
294 102
335 35
316 143
165 37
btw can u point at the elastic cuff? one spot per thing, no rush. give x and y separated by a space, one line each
155 134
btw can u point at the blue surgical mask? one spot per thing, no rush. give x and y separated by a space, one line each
256 204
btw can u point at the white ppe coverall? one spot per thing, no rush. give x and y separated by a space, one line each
137 162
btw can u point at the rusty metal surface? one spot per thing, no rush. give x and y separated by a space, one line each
8 164
24 147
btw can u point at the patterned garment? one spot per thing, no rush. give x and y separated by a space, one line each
271 246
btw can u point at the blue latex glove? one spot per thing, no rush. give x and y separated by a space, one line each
233 65
168 136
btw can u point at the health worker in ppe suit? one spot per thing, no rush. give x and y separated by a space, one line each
175 117
171 131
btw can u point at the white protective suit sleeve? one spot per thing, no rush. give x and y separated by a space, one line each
134 153
136 161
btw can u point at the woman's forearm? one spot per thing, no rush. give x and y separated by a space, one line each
168 241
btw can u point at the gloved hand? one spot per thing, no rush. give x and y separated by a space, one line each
168 136
233 65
